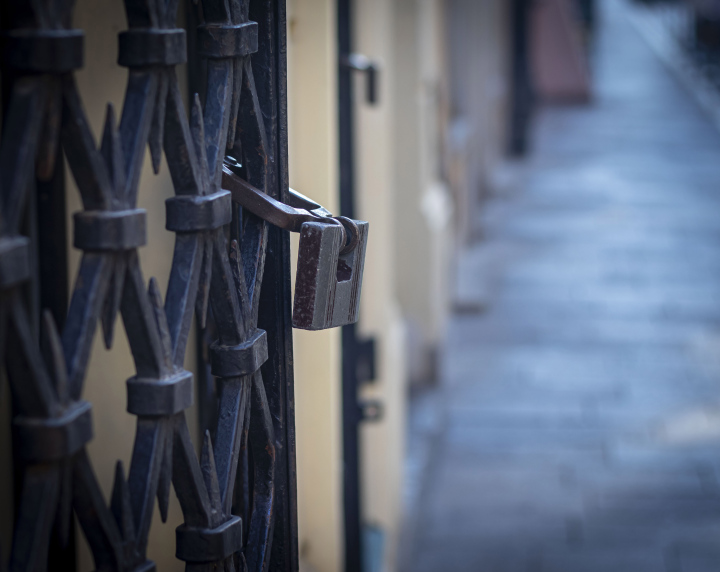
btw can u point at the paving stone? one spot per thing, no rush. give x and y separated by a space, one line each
576 425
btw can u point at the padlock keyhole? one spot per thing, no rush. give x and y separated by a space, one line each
344 272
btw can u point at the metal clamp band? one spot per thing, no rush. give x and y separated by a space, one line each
208 544
44 51
192 213
217 41
152 397
243 359
110 230
14 260
153 47
54 438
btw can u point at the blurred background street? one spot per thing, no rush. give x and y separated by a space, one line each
576 422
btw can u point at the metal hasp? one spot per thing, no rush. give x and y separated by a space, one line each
331 255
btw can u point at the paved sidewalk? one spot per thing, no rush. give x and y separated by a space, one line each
577 425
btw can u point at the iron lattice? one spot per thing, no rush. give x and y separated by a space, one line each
219 259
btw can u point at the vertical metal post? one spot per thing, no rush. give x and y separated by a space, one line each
275 298
521 97
350 409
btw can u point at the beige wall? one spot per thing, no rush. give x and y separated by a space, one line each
312 93
312 128
423 203
382 443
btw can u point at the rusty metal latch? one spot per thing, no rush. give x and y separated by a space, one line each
331 255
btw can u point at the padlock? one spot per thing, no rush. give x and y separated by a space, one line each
331 253
329 275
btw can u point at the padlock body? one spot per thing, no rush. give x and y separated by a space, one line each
327 284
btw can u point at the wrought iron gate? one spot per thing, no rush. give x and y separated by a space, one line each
223 254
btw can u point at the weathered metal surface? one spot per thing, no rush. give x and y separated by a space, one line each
210 266
327 284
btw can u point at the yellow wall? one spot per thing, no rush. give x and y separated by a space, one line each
312 128
425 242
312 94
382 443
